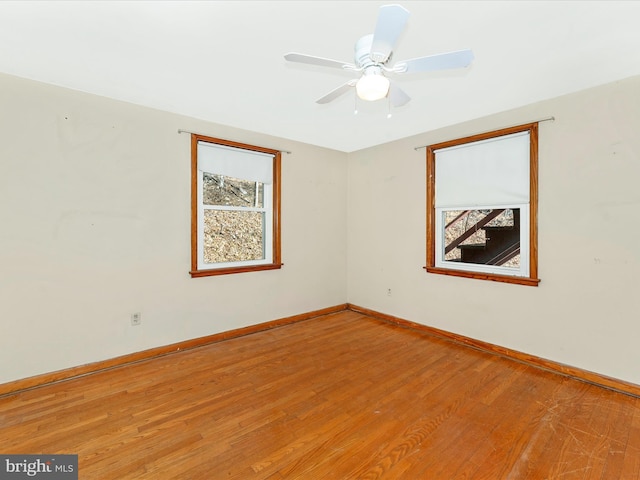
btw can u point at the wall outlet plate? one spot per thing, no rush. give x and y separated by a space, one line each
136 319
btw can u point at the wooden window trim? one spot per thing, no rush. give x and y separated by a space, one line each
532 279
276 255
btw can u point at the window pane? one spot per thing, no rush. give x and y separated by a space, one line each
231 192
233 236
485 237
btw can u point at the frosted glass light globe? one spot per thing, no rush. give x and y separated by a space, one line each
372 87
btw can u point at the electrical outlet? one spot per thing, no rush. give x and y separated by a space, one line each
136 319
388 292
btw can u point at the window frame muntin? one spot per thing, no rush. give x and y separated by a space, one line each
431 232
267 210
197 209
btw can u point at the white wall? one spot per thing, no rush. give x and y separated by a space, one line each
585 311
94 212
94 225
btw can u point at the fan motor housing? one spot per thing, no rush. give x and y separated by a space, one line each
362 50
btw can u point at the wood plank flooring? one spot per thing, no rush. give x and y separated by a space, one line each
343 396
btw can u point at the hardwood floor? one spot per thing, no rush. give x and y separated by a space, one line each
343 396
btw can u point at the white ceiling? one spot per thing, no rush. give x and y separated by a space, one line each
222 61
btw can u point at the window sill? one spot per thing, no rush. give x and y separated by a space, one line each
227 271
532 282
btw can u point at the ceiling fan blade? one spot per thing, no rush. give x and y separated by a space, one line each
391 22
397 96
335 93
323 62
441 61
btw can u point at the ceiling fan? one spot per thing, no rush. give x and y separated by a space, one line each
372 55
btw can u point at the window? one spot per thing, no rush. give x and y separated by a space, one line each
235 207
482 194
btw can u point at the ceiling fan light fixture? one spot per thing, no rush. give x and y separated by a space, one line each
372 86
372 57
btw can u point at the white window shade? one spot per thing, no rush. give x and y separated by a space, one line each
235 162
488 172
